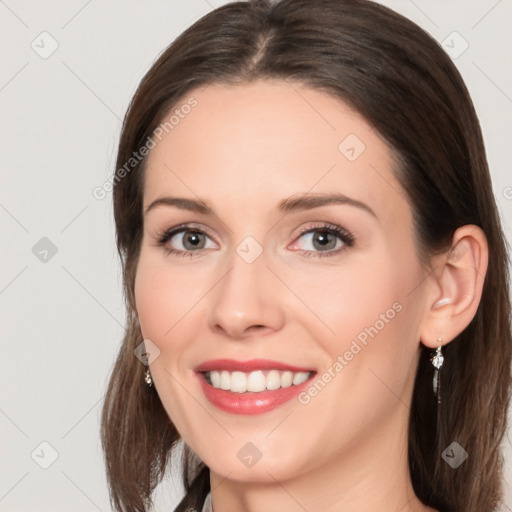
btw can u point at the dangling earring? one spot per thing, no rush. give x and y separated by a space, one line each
437 360
147 378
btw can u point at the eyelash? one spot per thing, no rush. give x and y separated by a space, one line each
164 236
345 236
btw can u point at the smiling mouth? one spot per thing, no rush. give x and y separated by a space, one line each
256 381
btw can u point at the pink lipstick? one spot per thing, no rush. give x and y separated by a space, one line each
251 387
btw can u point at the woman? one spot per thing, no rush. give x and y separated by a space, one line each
315 272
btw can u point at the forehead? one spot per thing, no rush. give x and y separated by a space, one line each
257 143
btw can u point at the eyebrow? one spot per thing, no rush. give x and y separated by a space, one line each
291 204
307 202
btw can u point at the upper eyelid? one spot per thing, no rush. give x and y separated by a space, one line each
187 227
183 228
322 225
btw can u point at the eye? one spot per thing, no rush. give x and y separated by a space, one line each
325 238
184 240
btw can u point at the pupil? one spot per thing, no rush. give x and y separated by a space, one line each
323 240
193 239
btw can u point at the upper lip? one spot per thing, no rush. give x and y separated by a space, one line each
233 365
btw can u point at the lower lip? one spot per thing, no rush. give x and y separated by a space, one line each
249 403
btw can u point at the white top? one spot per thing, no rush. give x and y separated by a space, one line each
207 507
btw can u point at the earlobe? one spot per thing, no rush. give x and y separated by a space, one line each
459 277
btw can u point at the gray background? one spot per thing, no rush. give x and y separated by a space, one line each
62 318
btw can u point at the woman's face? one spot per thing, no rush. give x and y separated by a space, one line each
292 258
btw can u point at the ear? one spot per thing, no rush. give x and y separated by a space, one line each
455 287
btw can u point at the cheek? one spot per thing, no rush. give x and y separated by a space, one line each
170 301
343 302
164 295
367 332
364 317
164 299
153 301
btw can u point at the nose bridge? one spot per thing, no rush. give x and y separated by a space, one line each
243 299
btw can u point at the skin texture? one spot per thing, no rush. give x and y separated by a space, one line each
243 150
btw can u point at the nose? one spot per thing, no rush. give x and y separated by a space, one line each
246 302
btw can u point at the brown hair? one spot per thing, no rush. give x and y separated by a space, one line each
403 83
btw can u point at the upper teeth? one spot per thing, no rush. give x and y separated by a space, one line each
240 382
